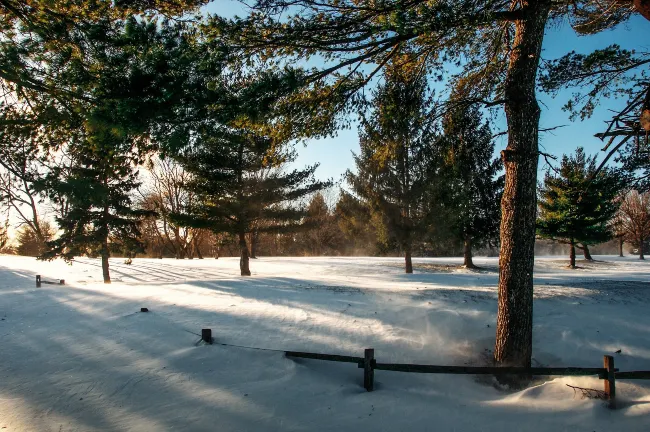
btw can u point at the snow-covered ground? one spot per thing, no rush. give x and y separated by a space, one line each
81 357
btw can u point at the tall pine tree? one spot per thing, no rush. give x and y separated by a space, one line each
577 204
392 166
98 189
470 185
231 197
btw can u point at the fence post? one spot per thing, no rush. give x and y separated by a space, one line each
368 371
206 335
610 381
38 281
61 281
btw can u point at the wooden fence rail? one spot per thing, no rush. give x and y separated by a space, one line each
369 364
476 370
40 281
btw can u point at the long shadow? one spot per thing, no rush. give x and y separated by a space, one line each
86 359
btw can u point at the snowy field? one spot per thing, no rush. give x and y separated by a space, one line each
81 357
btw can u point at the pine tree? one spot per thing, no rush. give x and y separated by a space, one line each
392 165
32 243
577 204
469 184
358 224
99 187
231 198
322 235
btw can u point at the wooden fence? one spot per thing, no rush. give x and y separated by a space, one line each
369 364
39 281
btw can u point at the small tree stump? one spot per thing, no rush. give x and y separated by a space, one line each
206 335
368 371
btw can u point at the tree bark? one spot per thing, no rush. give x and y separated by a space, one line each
408 264
514 336
243 260
254 241
105 254
641 255
586 253
467 253
620 246
572 256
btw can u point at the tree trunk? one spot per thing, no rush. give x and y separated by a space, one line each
407 261
641 256
243 260
254 241
105 253
467 253
586 253
620 246
572 256
514 336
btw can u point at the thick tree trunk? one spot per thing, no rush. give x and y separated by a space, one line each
620 246
105 253
572 256
408 264
243 260
467 253
514 336
105 271
641 255
254 241
586 253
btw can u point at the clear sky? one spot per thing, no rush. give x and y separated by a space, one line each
335 154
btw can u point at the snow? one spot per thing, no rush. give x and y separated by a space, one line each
81 357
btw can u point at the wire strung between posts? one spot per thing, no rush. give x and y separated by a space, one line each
248 347
214 342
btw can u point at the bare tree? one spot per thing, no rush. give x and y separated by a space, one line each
633 219
165 194
19 170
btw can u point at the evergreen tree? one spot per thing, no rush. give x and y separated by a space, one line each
358 224
577 204
99 186
231 198
322 235
32 243
469 184
392 165
137 66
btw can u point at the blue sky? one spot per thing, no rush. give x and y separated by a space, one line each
335 154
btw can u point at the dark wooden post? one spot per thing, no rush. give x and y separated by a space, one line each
610 381
61 281
144 310
368 371
38 281
206 335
